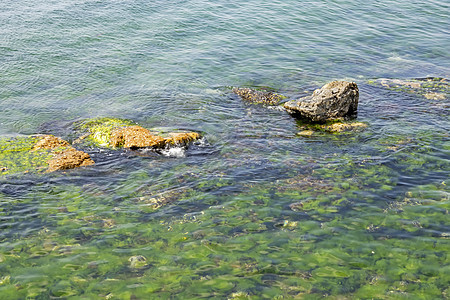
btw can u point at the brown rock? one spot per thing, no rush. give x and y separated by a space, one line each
182 138
50 142
334 100
135 137
258 96
68 159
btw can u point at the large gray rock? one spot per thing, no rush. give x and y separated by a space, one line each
334 100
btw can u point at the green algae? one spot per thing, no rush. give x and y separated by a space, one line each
338 224
97 131
16 156
202 258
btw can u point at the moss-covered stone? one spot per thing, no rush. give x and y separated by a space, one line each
335 126
182 138
344 127
98 131
16 156
68 158
118 133
39 153
135 137
50 142
137 261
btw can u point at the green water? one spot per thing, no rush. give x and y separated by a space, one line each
254 211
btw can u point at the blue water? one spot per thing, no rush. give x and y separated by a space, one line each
73 58
374 222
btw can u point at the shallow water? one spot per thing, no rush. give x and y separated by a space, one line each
254 211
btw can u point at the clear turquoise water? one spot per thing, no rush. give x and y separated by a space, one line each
374 216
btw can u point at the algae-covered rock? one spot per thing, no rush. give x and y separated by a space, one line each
434 96
137 262
135 137
50 142
68 158
39 153
98 131
335 126
334 100
259 96
431 88
306 132
343 126
117 133
16 156
181 138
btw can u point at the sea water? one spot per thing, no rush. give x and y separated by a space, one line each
255 211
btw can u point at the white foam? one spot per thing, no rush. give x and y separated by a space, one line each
174 152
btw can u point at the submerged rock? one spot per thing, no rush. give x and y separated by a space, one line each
334 100
259 96
309 129
343 127
137 262
434 96
430 88
306 132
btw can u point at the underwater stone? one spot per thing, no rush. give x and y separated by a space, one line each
342 127
306 133
258 96
308 129
398 82
334 100
433 88
137 261
434 96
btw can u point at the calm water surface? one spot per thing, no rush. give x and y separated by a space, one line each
255 211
